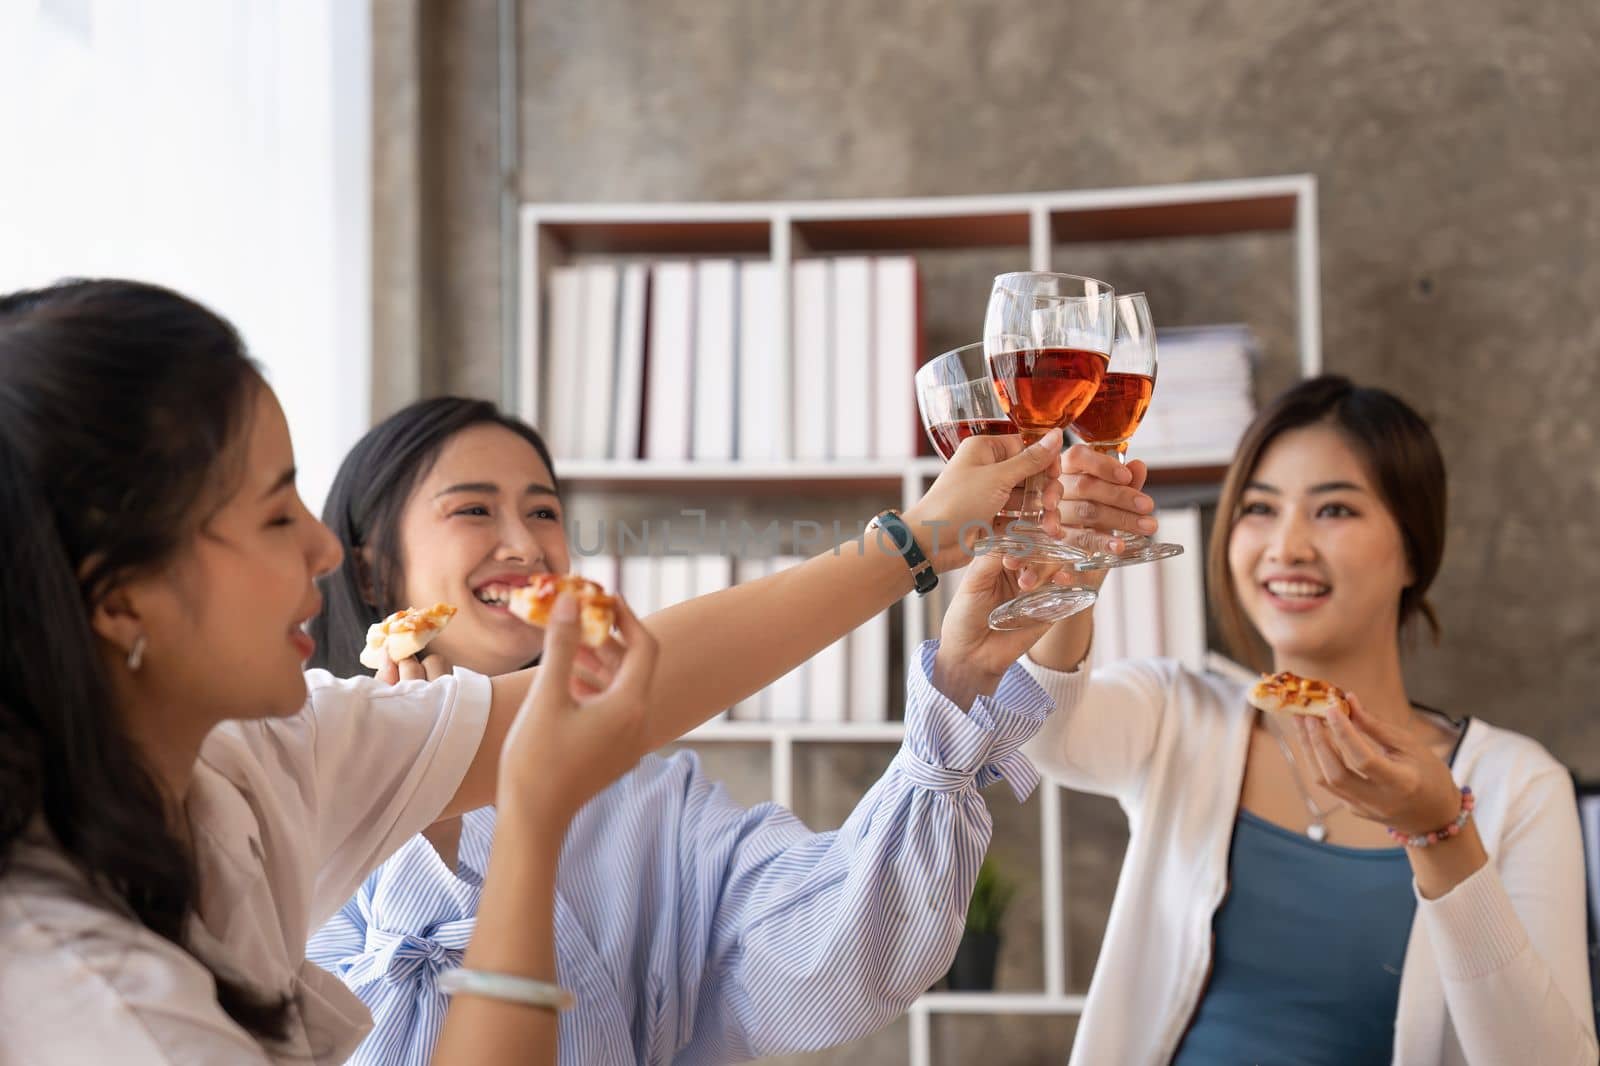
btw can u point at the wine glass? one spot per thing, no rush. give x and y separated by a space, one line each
1047 340
957 400
1114 413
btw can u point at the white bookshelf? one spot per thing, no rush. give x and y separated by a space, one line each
1037 225
553 234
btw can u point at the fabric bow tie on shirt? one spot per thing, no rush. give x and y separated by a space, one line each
1012 767
400 958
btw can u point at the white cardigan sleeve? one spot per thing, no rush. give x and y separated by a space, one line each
1104 729
1511 939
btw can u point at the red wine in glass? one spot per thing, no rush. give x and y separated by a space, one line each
1116 410
1042 388
947 436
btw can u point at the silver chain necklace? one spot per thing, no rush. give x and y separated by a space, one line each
1317 829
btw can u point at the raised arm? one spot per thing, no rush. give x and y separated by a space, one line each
1104 729
808 940
794 941
719 649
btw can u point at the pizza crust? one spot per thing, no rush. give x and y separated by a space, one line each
1286 693
596 610
404 634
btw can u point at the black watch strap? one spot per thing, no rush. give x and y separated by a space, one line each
922 574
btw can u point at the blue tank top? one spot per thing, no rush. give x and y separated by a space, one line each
1307 954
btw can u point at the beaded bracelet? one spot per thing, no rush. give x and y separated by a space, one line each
1468 801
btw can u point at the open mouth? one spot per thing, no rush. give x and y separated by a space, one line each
1297 590
497 592
300 637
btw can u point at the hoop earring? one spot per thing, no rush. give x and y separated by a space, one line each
136 654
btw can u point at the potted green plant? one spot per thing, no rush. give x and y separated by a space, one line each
973 968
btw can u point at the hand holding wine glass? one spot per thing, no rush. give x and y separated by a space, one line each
957 400
980 480
1099 496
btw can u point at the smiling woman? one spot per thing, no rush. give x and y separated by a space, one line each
447 502
756 935
1262 905
1370 474
180 803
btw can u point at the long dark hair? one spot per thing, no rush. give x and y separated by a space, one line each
364 507
1407 470
128 401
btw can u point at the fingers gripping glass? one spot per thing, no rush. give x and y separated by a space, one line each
957 400
1111 418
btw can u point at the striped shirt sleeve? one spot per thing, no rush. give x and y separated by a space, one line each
810 940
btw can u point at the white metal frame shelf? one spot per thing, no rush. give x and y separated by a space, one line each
615 475
554 234
786 231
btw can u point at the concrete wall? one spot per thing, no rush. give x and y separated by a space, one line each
1459 169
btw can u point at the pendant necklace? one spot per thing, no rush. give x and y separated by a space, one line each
1317 829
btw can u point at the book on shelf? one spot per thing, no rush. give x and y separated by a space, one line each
1143 619
867 663
1158 609
596 400
764 384
669 363
632 335
811 352
1110 634
561 423
896 354
851 355
848 681
686 360
1183 588
716 334
639 582
1203 398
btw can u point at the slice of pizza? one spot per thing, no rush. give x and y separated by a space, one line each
1288 693
404 633
596 610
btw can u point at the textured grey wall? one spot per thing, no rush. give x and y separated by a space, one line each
1459 166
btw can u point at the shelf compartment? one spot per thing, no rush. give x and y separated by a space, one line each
662 237
913 232
801 732
1260 214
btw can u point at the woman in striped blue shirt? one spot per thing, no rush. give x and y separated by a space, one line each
693 930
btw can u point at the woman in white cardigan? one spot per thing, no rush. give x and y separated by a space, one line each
1265 912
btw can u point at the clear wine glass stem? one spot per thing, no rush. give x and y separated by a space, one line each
1033 488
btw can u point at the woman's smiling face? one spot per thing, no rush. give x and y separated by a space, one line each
1318 560
483 520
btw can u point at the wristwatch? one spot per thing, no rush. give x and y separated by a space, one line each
922 575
